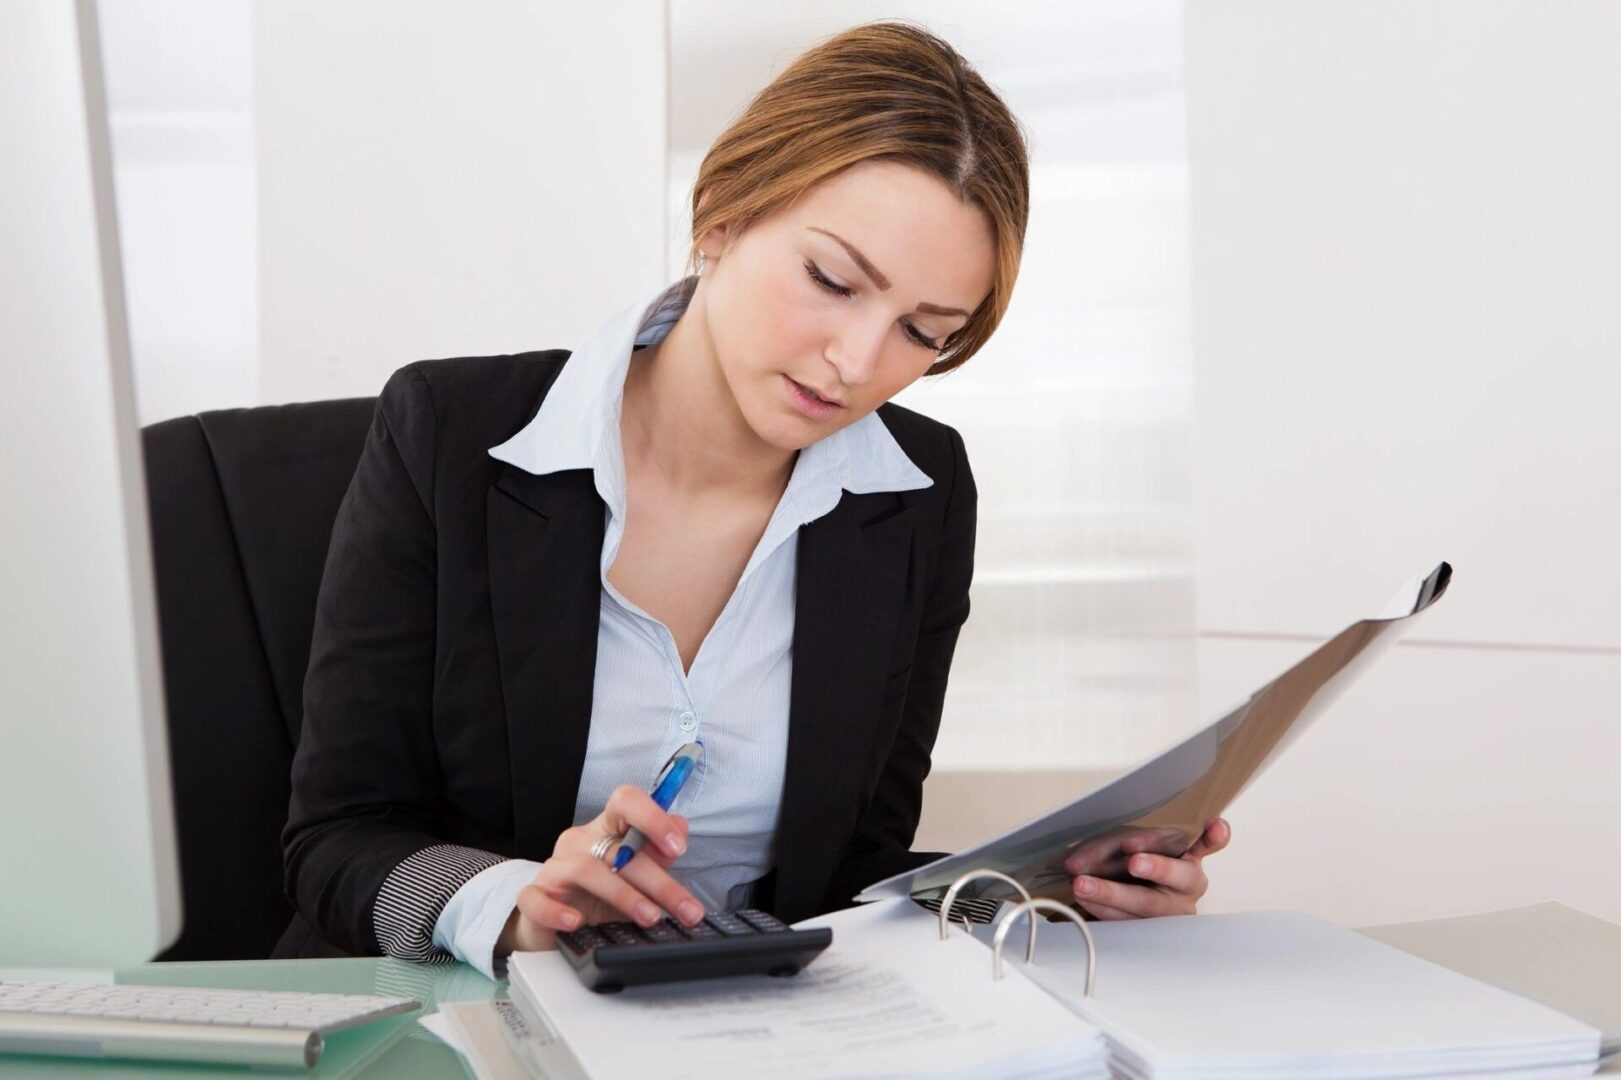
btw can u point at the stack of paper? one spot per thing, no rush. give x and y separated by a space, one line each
1278 994
887 998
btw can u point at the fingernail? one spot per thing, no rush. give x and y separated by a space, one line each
647 913
1142 865
1085 886
674 844
691 912
570 920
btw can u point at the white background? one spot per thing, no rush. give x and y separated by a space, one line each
1405 272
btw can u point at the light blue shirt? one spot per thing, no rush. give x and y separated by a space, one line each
735 698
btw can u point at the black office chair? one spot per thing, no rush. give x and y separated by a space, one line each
242 504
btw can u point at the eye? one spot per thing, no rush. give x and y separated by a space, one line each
845 291
912 332
816 276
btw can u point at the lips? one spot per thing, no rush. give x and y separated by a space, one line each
808 403
829 399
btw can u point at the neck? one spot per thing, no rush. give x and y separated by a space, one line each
681 422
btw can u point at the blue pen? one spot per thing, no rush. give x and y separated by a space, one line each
671 779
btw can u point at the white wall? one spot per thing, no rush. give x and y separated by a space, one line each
439 180
180 97
1079 654
1406 341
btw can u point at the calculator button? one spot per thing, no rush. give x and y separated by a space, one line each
585 940
621 933
732 943
664 932
762 921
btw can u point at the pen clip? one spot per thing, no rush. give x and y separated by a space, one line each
676 756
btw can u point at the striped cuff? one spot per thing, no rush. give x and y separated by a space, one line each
414 894
976 910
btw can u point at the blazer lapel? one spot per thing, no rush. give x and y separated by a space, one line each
853 571
545 540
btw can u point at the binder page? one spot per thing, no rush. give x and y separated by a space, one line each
1163 804
1287 994
887 998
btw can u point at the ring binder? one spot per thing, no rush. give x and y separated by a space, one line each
957 887
886 1000
1028 909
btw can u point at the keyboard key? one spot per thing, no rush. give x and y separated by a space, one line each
164 1015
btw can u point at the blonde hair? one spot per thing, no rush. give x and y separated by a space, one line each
883 90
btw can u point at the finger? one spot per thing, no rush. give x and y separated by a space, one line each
1101 913
593 876
630 807
1183 876
656 883
652 854
1091 853
545 911
1139 901
1216 836
1148 840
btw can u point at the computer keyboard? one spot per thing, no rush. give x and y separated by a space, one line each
178 1023
615 955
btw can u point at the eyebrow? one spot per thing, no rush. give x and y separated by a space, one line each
879 279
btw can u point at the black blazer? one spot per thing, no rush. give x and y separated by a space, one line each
448 697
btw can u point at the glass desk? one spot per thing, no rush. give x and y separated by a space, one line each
399 1048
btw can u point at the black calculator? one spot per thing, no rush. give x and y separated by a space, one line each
612 956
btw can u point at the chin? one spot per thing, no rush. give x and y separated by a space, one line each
789 436
786 432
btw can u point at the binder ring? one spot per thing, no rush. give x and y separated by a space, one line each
1029 909
957 887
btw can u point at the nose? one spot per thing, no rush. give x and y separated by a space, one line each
854 352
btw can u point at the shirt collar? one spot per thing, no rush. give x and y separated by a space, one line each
572 428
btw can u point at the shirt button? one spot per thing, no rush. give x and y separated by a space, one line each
688 721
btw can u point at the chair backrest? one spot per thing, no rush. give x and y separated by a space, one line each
242 506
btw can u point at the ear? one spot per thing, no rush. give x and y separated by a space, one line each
713 242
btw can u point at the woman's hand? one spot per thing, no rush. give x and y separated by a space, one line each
572 889
1173 886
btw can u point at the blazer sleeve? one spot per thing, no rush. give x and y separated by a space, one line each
363 862
881 844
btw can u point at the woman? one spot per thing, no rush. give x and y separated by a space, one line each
707 524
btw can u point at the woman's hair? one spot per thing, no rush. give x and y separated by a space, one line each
884 90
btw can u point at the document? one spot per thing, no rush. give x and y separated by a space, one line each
1162 805
499 1043
888 998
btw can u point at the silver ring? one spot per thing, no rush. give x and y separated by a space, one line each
605 844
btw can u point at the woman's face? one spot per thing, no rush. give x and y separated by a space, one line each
846 293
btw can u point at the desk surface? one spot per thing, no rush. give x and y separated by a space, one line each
400 1050
1481 946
